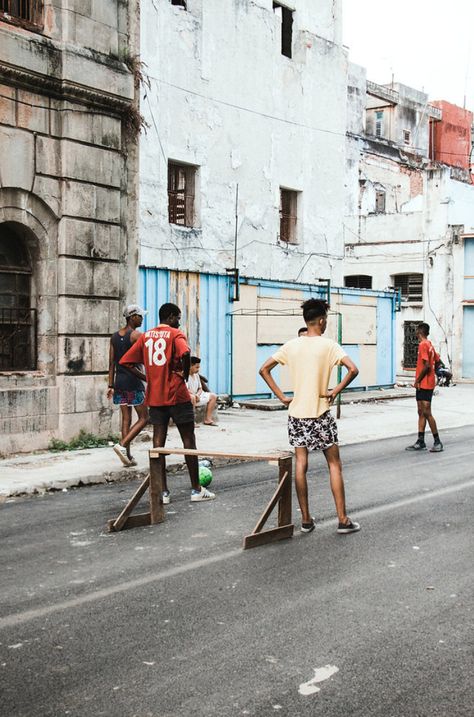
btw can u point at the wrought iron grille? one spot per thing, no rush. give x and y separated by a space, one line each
181 194
17 339
288 218
410 344
358 281
31 11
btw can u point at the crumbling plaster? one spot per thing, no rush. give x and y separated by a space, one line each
223 98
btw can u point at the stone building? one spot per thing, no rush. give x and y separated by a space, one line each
67 210
409 219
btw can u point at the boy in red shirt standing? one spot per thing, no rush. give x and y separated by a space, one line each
166 356
425 381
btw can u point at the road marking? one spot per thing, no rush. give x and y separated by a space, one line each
27 615
320 674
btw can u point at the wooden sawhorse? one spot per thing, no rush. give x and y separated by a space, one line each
282 496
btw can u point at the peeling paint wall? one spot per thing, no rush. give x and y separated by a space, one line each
224 98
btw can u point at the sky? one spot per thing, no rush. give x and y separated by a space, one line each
426 44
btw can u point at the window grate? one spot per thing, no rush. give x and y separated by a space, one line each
288 215
29 11
410 344
181 182
17 339
410 287
358 281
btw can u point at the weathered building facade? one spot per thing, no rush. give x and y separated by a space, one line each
243 169
67 210
409 217
243 164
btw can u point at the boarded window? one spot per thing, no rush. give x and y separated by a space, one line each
181 185
17 318
410 344
286 16
288 215
27 12
379 124
410 286
380 201
406 136
358 281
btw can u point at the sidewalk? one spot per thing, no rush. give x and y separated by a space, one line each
240 430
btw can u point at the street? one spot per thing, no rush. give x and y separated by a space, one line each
176 619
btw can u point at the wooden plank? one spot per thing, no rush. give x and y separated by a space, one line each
133 521
155 452
264 517
284 506
157 510
268 536
118 522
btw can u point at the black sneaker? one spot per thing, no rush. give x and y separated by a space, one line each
308 527
349 527
437 447
418 446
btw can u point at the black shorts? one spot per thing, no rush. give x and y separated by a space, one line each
424 394
180 413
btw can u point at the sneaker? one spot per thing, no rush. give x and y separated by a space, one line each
121 451
437 447
418 446
349 527
308 527
203 494
166 497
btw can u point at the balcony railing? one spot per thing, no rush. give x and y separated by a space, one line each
22 12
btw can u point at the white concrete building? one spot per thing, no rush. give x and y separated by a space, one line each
409 220
249 95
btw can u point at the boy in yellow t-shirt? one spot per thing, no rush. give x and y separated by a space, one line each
311 359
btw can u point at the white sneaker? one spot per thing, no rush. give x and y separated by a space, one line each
121 451
203 495
166 497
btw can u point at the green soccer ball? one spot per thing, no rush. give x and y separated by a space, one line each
205 476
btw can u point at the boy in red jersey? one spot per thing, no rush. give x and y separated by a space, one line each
425 381
166 356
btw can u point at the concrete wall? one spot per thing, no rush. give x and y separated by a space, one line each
66 167
224 98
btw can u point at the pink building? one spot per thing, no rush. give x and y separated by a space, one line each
451 137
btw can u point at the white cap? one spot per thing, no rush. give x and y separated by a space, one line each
133 309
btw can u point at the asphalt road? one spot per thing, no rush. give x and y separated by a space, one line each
175 620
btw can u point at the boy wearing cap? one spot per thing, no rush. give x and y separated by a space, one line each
126 383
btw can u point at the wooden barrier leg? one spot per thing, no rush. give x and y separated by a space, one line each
157 511
119 523
285 465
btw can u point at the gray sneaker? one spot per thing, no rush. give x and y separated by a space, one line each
418 446
437 447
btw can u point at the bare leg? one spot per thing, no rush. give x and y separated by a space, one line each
186 431
210 407
428 416
159 440
126 419
301 483
139 425
337 483
421 417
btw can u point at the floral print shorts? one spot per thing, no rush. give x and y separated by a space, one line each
315 434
